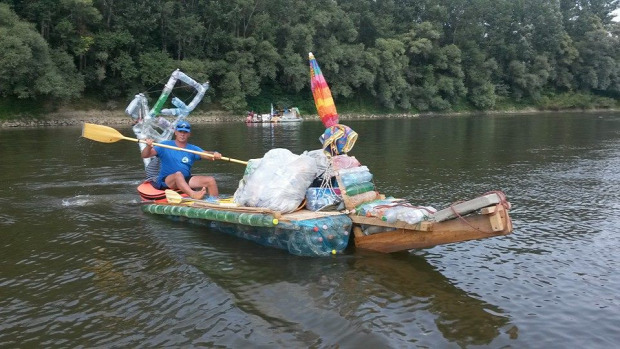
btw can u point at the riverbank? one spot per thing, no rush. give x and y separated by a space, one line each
102 117
118 117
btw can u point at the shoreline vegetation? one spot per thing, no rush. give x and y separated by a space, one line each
119 118
395 59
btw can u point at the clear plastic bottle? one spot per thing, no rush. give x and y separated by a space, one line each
408 214
411 216
359 188
391 215
349 179
365 208
353 170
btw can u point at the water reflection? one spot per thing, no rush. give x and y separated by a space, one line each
394 300
283 135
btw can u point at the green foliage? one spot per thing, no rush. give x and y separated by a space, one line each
410 56
597 67
390 63
483 96
28 67
230 93
154 67
572 100
14 108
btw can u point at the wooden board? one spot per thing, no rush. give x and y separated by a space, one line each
304 214
472 227
466 207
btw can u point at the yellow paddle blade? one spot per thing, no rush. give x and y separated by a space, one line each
101 133
105 134
173 197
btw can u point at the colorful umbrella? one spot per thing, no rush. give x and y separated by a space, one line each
322 95
337 139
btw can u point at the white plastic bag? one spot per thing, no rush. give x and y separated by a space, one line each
279 182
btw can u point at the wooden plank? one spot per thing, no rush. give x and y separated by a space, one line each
496 221
466 207
489 210
472 227
215 206
503 212
357 231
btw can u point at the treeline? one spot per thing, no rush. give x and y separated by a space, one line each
404 55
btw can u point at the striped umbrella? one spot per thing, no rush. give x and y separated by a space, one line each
322 95
337 139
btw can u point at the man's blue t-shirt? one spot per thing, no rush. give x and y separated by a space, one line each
172 161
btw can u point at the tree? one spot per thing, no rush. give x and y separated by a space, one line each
389 60
597 67
28 67
434 73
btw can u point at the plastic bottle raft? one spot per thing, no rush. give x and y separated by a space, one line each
301 233
351 207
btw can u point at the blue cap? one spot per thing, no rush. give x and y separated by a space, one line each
184 126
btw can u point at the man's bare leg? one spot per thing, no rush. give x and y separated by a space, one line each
205 182
177 181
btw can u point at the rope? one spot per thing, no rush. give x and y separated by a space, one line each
326 183
503 201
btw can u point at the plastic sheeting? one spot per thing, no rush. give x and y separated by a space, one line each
279 180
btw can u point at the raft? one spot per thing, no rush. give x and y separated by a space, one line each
358 216
318 233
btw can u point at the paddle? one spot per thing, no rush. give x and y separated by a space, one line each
227 204
105 134
173 197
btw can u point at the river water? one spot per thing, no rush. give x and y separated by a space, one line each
82 266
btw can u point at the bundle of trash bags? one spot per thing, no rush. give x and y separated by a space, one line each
280 179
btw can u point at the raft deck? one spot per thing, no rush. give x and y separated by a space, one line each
479 218
325 231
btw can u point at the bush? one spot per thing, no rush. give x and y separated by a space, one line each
575 100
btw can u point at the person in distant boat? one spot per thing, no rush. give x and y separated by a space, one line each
176 165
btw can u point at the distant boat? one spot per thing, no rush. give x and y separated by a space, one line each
286 115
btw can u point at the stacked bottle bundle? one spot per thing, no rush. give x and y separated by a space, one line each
392 210
355 175
344 161
407 213
322 198
376 208
358 184
359 199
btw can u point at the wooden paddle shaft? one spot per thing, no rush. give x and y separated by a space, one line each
186 150
107 134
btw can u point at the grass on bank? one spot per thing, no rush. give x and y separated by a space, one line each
13 108
577 101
